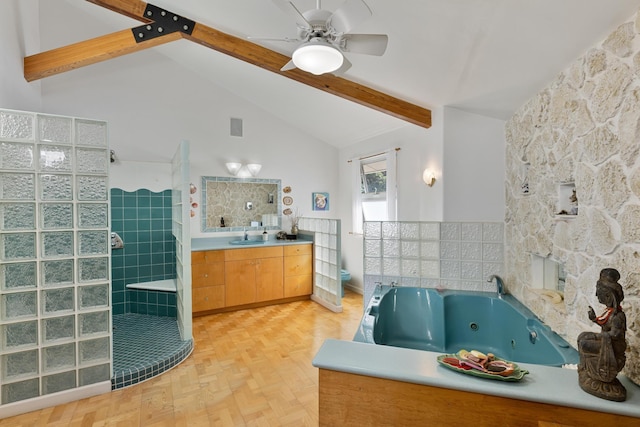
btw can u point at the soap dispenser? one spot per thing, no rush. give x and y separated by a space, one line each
265 235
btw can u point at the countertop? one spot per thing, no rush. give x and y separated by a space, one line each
544 384
215 243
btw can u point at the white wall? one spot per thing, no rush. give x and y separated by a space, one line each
150 109
419 148
466 152
474 171
152 103
19 33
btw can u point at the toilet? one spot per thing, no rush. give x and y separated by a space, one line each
344 277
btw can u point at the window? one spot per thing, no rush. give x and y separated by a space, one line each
374 189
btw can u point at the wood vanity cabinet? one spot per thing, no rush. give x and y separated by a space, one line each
207 280
298 270
230 279
253 275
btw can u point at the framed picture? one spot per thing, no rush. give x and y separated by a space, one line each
320 201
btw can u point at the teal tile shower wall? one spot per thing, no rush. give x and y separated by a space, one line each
143 219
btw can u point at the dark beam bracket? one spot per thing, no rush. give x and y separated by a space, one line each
163 22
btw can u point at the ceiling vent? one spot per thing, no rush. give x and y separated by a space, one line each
236 127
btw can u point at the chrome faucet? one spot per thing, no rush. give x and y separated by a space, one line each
499 284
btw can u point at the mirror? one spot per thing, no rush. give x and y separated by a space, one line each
237 204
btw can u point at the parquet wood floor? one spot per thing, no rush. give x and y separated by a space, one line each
248 368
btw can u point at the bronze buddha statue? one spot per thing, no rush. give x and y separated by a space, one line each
602 354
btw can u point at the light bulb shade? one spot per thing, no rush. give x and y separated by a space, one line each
254 168
317 57
428 177
233 167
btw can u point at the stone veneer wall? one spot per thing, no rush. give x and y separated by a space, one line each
583 128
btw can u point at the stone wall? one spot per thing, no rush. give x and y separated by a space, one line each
584 129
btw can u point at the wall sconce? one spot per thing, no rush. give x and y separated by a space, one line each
233 168
243 171
429 177
254 168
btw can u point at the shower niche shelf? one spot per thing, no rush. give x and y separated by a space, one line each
567 207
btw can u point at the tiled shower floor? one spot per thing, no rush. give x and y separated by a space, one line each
145 346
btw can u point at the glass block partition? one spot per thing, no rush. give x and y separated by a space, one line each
451 255
55 332
181 229
327 257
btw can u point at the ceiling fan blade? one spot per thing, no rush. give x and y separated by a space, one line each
368 44
343 68
350 14
290 9
288 66
275 39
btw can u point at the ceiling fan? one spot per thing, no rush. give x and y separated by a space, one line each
324 37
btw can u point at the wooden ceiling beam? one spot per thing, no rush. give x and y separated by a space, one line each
92 51
67 58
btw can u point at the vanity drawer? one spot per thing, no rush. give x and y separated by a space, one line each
208 298
298 250
297 264
206 257
295 286
207 274
252 253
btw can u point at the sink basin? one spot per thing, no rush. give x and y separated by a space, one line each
246 242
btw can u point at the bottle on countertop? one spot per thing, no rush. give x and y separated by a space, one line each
222 221
265 235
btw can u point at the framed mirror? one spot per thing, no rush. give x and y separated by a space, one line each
237 204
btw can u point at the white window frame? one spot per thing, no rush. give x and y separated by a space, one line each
389 196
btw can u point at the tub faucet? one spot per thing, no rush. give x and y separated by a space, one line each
499 284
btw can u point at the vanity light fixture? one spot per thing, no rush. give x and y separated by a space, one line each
429 177
254 168
243 171
233 168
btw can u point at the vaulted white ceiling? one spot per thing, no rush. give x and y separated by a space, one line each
482 56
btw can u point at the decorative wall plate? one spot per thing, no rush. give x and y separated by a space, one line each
286 189
287 211
287 200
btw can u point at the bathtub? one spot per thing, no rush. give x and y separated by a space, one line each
448 321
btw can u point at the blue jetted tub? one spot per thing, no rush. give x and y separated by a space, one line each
448 321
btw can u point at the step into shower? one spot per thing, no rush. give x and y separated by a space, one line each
145 346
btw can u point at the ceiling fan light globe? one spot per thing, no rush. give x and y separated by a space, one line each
317 58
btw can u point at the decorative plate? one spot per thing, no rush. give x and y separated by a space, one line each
287 200
286 189
448 361
287 211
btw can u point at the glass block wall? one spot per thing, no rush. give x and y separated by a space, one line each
451 255
142 219
327 257
55 329
181 230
